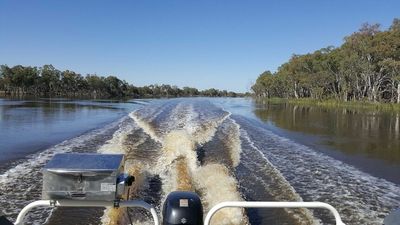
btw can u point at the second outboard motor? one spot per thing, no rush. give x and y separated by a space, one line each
182 207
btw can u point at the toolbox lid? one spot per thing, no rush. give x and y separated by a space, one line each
78 162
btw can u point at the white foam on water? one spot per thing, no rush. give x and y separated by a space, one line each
359 197
203 127
230 134
119 144
216 186
116 144
140 102
186 129
191 115
179 144
208 130
182 117
213 180
286 192
145 126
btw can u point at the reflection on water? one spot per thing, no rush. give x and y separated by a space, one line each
369 139
28 126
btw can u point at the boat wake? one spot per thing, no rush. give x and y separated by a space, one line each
194 145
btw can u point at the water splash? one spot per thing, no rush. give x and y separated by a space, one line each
182 132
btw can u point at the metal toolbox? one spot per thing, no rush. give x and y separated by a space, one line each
84 177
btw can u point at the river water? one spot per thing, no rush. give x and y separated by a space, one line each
224 149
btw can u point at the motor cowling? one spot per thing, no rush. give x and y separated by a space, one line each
5 221
182 207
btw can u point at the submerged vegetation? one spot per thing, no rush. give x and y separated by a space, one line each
366 67
51 82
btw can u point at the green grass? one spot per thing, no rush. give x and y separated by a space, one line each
332 103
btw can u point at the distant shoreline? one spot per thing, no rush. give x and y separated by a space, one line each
332 103
48 81
33 97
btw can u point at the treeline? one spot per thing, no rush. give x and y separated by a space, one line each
51 82
365 67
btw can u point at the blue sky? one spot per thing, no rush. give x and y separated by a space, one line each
223 44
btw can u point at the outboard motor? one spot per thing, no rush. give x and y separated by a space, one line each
4 220
182 207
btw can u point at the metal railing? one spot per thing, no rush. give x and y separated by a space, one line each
144 205
74 203
273 205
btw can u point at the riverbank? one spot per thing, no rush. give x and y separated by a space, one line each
331 103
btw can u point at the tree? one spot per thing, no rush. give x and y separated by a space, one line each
49 81
365 66
395 25
188 91
115 86
6 78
